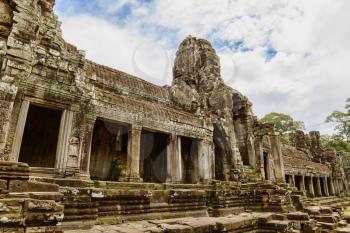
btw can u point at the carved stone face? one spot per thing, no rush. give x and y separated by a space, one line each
196 73
46 7
197 63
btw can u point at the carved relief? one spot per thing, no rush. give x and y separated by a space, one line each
73 152
196 74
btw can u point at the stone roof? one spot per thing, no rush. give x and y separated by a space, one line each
125 82
299 160
290 162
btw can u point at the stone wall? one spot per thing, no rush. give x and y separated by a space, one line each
209 133
42 69
27 206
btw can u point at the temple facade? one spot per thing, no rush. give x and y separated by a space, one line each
111 147
313 169
66 116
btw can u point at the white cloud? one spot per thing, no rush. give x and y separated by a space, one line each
308 78
118 47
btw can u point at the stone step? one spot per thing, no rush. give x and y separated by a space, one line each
279 225
299 216
327 218
327 226
343 230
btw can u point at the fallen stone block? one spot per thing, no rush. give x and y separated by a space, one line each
342 223
11 211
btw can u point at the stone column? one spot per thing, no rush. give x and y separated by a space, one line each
290 180
133 160
169 156
330 186
346 187
311 187
340 185
8 94
277 157
293 180
175 164
302 183
251 152
205 160
335 185
318 187
63 141
85 152
17 140
325 186
259 155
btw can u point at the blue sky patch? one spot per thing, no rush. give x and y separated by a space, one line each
233 45
270 53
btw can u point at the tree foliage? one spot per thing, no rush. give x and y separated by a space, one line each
284 124
342 122
335 142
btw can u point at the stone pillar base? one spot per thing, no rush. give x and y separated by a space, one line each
72 172
134 179
207 181
84 176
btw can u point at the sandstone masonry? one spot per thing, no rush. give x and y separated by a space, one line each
82 144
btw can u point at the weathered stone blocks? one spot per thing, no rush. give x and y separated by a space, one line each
11 212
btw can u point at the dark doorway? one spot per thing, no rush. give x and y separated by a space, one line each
298 182
286 177
189 155
266 166
40 137
153 156
109 149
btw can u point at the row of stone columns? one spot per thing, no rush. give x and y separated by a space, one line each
316 186
205 158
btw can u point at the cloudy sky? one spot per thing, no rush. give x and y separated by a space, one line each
286 56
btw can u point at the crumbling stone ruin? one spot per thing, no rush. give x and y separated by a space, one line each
87 148
311 168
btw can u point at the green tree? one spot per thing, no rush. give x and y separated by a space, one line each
342 122
284 124
335 142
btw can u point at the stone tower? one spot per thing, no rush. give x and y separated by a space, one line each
198 87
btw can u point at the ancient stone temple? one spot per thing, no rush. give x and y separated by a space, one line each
84 147
313 169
